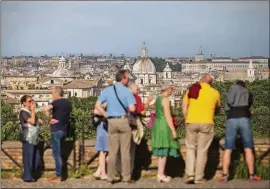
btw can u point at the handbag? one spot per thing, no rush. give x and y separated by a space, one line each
96 120
137 134
152 120
131 116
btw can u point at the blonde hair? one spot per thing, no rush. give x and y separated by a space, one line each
165 85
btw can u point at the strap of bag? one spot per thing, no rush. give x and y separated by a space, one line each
119 99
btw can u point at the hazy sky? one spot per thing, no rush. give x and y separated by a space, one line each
169 28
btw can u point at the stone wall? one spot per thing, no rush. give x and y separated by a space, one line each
144 160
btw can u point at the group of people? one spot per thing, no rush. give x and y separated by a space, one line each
118 113
58 114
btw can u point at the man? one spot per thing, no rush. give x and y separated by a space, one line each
138 133
198 112
119 130
239 101
59 120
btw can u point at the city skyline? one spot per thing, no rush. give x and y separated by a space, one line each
169 28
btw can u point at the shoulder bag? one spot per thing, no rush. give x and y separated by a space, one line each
131 116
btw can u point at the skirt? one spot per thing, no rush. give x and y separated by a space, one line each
102 138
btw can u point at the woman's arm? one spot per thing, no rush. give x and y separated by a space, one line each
40 121
167 113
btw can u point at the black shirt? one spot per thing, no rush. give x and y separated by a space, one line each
61 112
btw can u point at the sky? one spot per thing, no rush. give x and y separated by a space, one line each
175 28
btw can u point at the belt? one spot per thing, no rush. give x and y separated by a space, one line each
117 117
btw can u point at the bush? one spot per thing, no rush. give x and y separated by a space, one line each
82 109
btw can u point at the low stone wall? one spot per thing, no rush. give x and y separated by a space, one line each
144 160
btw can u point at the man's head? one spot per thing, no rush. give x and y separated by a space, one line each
206 78
134 88
57 92
122 76
241 83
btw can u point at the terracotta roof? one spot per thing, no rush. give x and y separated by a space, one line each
44 79
80 84
12 101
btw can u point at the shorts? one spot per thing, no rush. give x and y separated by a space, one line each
241 126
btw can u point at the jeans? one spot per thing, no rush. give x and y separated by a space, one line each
56 139
240 126
31 160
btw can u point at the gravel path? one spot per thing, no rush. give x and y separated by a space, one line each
143 183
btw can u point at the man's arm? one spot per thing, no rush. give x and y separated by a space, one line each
185 105
230 97
146 105
47 110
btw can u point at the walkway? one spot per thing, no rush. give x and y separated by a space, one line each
143 183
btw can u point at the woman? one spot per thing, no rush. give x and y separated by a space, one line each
30 131
164 137
101 146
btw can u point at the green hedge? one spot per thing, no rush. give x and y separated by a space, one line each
82 109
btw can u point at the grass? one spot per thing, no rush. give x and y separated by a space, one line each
262 170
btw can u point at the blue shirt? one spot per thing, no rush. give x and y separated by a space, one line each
114 108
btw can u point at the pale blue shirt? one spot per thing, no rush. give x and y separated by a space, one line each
114 108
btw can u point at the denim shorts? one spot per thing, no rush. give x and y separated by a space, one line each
241 126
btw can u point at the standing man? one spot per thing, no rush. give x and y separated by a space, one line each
198 110
239 101
59 120
138 133
119 130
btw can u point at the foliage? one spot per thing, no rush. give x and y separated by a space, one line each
82 171
262 170
4 175
82 110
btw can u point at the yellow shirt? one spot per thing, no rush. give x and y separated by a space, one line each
202 109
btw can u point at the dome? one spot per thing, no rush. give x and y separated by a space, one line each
144 65
62 73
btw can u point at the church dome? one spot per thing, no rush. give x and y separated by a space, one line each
62 73
144 64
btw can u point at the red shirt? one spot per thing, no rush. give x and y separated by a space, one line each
139 104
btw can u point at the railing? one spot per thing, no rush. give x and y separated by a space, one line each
81 129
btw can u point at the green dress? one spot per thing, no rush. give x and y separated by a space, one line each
163 144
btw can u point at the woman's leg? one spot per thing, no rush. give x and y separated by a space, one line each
102 163
97 173
161 165
28 154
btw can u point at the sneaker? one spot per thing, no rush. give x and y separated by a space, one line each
254 178
224 178
189 180
55 179
201 181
